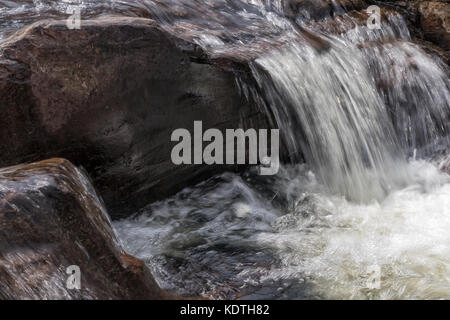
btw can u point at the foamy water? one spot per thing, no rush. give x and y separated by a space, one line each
234 236
359 221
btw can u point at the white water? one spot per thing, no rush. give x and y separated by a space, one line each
355 111
330 107
226 238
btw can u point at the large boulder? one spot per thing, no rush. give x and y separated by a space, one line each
50 219
108 96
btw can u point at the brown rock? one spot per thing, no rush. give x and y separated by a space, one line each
50 219
107 97
318 9
435 22
428 23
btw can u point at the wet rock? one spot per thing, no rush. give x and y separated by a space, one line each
313 9
108 97
429 21
51 218
435 22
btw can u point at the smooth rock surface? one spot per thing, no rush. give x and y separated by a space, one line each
108 97
51 218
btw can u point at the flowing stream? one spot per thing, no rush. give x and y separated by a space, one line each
366 216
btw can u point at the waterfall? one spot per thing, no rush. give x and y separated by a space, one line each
368 110
328 108
354 102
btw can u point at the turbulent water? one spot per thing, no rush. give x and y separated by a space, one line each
367 215
287 238
359 220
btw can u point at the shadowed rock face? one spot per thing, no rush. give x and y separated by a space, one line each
108 97
50 219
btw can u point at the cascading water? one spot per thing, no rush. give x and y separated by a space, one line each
356 104
327 105
322 87
367 109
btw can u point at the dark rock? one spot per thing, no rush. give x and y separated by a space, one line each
435 23
51 218
108 96
429 21
319 9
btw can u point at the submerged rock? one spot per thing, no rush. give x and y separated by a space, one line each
108 97
51 219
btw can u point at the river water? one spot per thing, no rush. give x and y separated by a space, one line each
365 217
288 238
